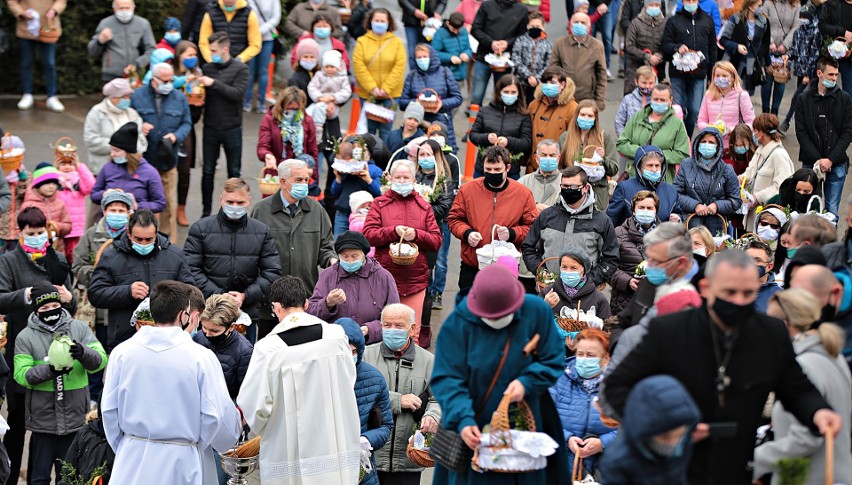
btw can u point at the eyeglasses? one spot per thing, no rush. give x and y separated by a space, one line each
773 226
570 187
652 262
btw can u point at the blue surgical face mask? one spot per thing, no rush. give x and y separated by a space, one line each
548 164
165 88
508 99
143 249
427 163
652 177
645 216
550 90
123 104
579 30
172 37
588 367
120 160
229 9
690 7
322 33
355 359
657 275
299 191
791 252
402 188
116 221
585 123
707 150
234 212
379 28
351 267
740 150
422 63
570 278
217 59
394 338
36 242
308 64
190 62
653 11
829 83
659 108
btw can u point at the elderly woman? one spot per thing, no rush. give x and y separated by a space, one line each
355 287
707 187
401 216
818 351
128 171
770 166
482 359
650 168
573 288
407 369
218 334
630 234
575 395
286 132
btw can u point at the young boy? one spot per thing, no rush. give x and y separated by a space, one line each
410 129
57 395
637 99
42 194
329 88
172 35
452 42
531 53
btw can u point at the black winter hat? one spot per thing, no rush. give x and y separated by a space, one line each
125 137
42 294
351 240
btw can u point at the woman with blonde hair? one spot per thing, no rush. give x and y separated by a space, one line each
746 39
725 104
702 242
287 132
818 348
585 129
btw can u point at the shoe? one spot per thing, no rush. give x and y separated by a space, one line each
247 107
437 303
181 216
620 73
26 102
424 340
464 138
261 109
53 104
784 126
609 77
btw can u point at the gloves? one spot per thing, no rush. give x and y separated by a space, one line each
76 351
57 372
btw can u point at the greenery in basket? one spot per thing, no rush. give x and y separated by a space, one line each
69 474
426 436
440 185
546 277
793 471
361 474
144 315
742 243
640 269
514 157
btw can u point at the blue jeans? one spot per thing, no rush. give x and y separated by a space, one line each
374 127
412 38
439 279
259 69
232 141
688 93
341 223
770 104
48 64
845 75
481 75
834 181
604 25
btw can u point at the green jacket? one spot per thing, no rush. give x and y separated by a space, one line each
49 411
669 134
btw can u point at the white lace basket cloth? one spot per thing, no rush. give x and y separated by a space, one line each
491 252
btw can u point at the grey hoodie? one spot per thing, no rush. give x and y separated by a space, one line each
131 43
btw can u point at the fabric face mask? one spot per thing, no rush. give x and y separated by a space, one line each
499 323
731 314
588 367
722 82
767 233
190 62
50 318
493 179
645 91
571 196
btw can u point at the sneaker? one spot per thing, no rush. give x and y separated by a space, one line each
53 104
437 303
784 126
609 77
247 107
261 109
26 102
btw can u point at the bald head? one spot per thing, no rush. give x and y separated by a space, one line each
581 18
819 281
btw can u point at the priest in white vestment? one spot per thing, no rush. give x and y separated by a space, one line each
165 404
299 395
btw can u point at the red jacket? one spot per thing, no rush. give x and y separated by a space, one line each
477 209
336 44
269 140
391 210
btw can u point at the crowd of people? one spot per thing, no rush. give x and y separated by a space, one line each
657 296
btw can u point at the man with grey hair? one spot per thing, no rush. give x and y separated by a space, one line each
301 228
123 41
165 123
544 182
729 358
407 368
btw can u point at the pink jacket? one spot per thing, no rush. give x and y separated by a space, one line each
356 223
75 200
468 8
53 208
736 105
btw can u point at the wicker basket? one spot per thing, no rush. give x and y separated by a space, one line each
418 457
378 113
405 260
724 225
48 34
64 152
780 72
430 106
540 285
267 188
500 423
345 15
143 323
848 50
10 162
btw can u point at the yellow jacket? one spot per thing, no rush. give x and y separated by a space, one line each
378 66
254 37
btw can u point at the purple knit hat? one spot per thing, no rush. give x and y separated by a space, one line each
495 293
510 263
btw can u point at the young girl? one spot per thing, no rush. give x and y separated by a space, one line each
725 105
741 148
329 89
305 64
360 203
573 287
75 184
172 36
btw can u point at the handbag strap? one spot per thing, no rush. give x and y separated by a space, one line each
376 55
496 375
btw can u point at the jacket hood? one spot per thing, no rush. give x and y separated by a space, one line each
655 405
697 156
123 244
641 152
354 334
160 339
565 96
434 61
846 281
64 321
587 205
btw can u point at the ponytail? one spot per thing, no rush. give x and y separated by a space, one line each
832 337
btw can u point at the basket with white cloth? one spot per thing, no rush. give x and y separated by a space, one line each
491 252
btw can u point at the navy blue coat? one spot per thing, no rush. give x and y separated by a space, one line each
619 205
172 117
371 391
766 290
234 355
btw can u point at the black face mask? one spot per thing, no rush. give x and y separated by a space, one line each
571 196
494 180
50 317
829 313
217 340
802 200
731 314
534 32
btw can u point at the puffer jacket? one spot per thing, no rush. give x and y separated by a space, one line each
643 33
119 267
578 413
169 115
783 22
444 201
225 255
389 211
371 392
407 372
631 252
367 290
671 137
558 229
732 109
656 404
234 354
442 80
74 199
530 56
448 45
698 182
550 119
59 412
695 31
90 449
807 43
53 208
504 121
587 297
379 62
619 209
101 122
145 184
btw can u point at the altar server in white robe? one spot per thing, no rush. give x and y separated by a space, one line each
165 404
298 394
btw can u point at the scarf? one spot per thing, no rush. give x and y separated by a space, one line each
70 180
34 254
589 385
572 292
293 133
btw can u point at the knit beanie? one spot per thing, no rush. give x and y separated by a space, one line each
125 138
172 23
332 58
510 263
45 173
579 256
307 46
41 294
414 110
357 199
117 88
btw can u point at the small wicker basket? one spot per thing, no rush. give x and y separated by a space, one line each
500 424
405 260
267 188
64 151
48 34
9 162
418 457
431 105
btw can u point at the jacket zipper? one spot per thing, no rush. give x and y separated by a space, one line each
393 431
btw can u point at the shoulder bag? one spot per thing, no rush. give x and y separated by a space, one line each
278 50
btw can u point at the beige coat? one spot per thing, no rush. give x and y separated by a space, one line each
585 64
18 7
770 165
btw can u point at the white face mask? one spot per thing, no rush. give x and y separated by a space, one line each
700 252
499 323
